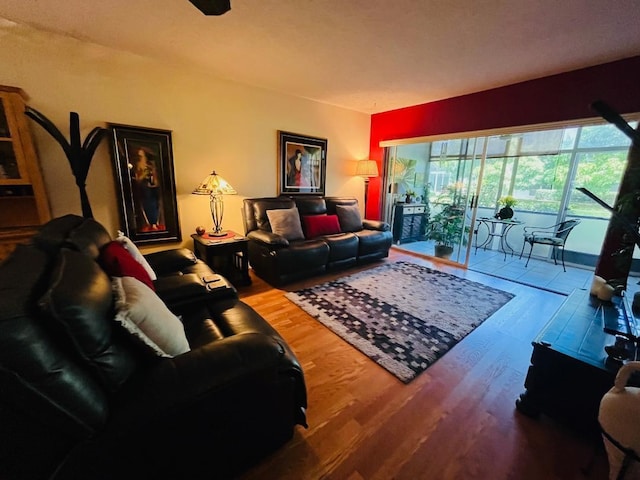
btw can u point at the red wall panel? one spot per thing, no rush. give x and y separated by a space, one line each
561 97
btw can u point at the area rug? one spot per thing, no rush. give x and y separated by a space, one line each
401 315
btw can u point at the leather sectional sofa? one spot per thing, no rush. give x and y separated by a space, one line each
82 397
329 234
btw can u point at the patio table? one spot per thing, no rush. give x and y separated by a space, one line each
496 228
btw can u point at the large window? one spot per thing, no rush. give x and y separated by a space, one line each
539 168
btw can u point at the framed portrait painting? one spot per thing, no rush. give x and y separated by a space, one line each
145 183
302 163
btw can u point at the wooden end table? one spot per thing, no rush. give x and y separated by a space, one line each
227 255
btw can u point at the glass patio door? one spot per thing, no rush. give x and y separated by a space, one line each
431 191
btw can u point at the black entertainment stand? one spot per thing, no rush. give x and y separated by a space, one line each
569 371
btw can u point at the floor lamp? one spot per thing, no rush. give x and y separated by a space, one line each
366 169
215 186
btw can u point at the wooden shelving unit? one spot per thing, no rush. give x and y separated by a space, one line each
23 200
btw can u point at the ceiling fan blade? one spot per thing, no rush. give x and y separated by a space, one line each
212 7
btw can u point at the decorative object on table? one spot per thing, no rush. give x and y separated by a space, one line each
145 183
79 154
506 212
409 196
601 289
200 230
555 236
401 315
302 163
447 226
367 169
215 186
619 415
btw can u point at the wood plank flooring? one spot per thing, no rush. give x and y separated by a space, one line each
457 420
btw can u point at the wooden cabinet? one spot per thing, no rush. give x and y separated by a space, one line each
409 222
23 200
569 371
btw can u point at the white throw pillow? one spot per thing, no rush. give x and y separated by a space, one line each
286 222
141 312
130 247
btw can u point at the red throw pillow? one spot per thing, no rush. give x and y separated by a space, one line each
316 225
118 262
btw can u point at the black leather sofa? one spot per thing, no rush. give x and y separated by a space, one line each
207 413
280 260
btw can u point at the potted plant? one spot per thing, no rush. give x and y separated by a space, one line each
507 202
410 195
447 226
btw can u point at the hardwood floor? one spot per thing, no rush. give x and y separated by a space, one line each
457 420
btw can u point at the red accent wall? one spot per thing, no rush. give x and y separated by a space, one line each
561 97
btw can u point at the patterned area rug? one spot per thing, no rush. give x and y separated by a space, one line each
401 315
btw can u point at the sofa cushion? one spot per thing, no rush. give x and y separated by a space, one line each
141 312
286 222
136 254
79 301
316 225
118 262
350 218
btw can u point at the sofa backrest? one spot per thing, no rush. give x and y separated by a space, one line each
254 211
61 355
333 201
84 235
38 376
310 205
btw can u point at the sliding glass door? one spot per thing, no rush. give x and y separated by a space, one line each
431 194
437 191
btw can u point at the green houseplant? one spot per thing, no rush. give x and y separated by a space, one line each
447 226
507 202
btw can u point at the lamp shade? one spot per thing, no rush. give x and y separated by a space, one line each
214 184
367 168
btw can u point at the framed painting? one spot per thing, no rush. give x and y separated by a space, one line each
302 163
145 183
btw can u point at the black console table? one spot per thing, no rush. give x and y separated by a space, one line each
569 371
409 222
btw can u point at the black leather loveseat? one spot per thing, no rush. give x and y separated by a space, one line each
327 234
83 398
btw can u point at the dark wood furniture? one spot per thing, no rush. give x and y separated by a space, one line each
226 255
569 370
409 222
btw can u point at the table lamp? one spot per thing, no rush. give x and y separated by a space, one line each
215 186
366 169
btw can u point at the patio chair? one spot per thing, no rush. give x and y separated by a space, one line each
554 235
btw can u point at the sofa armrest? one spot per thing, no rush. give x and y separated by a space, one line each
181 291
268 238
376 225
170 261
172 384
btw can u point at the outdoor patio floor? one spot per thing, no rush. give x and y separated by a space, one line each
539 273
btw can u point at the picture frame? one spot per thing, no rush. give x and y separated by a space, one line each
302 164
145 183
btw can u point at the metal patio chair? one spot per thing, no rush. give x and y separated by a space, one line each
554 236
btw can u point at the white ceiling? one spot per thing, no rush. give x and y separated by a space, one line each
365 55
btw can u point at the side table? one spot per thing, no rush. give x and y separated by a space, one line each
226 255
496 228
